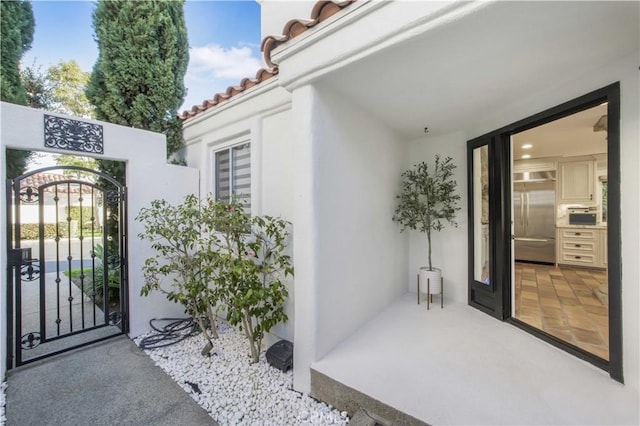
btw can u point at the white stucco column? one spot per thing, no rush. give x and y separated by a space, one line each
304 236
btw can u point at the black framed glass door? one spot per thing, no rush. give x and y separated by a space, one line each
489 251
490 189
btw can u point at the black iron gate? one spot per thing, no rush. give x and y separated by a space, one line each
67 269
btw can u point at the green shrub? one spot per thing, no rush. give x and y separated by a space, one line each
219 257
31 231
113 278
178 234
83 219
252 265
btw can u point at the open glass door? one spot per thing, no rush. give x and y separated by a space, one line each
486 261
544 235
560 283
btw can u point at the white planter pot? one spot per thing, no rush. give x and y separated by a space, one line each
430 279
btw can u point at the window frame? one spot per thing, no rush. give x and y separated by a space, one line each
229 147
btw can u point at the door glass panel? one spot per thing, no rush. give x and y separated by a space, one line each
559 210
481 214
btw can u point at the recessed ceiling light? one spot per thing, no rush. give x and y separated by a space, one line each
527 146
526 156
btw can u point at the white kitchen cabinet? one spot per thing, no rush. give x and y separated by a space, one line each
579 247
576 182
534 165
603 249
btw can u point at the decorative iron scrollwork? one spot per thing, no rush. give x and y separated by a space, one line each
30 340
73 135
113 196
113 261
30 271
115 318
29 195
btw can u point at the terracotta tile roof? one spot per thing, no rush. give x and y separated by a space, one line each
321 11
231 91
38 179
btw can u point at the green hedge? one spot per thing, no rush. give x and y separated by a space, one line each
30 231
87 212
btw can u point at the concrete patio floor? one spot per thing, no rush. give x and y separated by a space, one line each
109 383
458 365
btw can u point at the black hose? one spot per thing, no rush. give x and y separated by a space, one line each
175 331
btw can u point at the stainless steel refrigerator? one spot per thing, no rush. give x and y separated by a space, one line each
534 216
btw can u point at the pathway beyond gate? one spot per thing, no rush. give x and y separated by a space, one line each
109 383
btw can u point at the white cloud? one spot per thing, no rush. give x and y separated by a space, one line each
215 61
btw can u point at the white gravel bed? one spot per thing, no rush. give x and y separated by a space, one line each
234 391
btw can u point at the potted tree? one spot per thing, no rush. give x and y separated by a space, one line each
428 200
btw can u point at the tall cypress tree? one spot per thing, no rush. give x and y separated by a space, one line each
138 79
17 25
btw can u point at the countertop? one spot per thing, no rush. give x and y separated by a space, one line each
582 226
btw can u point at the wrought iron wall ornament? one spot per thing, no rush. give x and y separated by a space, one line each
113 261
30 271
115 318
73 135
30 340
30 195
113 196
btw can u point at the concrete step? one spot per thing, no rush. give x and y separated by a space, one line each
361 408
363 418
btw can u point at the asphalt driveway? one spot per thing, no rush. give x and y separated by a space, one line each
109 383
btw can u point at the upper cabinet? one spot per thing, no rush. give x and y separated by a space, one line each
576 182
534 165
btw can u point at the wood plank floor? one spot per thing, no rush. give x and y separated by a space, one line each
561 302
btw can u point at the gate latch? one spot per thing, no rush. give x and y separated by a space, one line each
19 256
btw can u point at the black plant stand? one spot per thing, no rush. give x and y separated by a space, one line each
429 295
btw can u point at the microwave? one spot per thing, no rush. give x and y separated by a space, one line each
583 215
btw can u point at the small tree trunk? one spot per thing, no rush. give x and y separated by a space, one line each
209 346
248 331
212 322
429 241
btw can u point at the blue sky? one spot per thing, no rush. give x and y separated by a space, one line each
224 41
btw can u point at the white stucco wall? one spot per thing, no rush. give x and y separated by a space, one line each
351 258
449 251
263 117
361 253
149 177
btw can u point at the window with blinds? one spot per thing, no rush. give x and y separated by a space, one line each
233 174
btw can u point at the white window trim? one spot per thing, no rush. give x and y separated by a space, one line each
228 146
